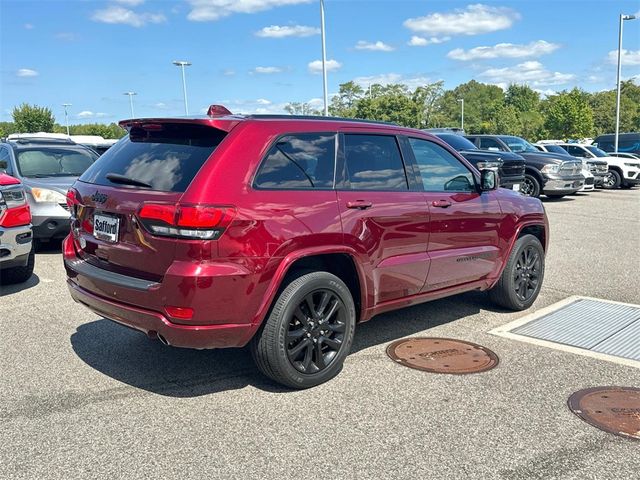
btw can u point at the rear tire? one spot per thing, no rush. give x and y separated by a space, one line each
18 274
530 186
522 277
612 180
308 333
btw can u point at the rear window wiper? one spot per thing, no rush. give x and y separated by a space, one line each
117 178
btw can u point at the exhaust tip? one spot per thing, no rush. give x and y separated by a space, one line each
162 339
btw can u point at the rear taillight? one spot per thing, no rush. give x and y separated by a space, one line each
202 222
14 211
73 200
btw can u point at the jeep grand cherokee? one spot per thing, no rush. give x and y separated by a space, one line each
284 232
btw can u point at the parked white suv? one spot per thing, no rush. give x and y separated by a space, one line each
622 172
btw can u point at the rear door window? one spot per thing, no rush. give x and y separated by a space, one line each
299 162
373 162
165 156
490 144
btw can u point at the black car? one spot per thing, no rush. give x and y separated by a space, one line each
510 166
627 142
545 173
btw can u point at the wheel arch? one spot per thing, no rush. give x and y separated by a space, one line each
339 261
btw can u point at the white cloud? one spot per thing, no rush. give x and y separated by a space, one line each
130 3
210 10
86 114
417 41
374 47
532 73
504 50
119 15
263 101
392 78
160 105
27 72
228 72
29 26
316 66
472 20
267 70
275 31
629 57
66 36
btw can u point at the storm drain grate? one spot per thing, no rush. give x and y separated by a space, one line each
601 328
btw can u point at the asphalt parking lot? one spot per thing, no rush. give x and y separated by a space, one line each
85 398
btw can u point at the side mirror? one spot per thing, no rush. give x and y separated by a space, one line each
488 180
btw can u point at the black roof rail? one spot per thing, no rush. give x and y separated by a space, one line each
25 140
315 117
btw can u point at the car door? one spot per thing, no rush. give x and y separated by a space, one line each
384 217
576 151
5 160
464 238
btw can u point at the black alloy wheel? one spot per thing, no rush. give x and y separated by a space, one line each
526 275
316 331
530 186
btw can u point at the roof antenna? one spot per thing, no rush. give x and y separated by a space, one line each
218 111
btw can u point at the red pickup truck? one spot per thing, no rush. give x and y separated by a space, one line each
16 253
286 231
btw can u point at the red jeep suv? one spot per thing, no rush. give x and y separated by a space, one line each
284 232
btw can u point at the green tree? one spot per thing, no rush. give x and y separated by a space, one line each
389 103
426 98
32 118
522 97
300 108
481 104
344 103
568 115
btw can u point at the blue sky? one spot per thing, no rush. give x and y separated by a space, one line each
257 55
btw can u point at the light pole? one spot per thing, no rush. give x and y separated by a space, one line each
618 86
182 64
131 94
461 100
66 117
324 61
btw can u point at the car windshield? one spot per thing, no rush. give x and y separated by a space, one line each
596 151
457 141
518 145
54 161
556 149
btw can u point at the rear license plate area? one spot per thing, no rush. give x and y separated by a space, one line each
106 227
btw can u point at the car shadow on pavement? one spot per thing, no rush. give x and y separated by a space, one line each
130 357
18 287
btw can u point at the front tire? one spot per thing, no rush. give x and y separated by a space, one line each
612 180
530 186
522 277
308 333
18 274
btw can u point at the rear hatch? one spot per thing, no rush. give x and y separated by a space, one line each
123 206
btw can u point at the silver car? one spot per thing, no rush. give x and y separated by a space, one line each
47 167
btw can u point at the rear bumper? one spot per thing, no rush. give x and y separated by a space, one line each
15 245
155 324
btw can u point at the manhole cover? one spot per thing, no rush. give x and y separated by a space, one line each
442 355
612 409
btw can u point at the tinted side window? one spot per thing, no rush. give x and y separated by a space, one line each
440 171
373 162
302 161
575 151
4 159
490 144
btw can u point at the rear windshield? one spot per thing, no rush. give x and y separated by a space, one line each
54 161
164 156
